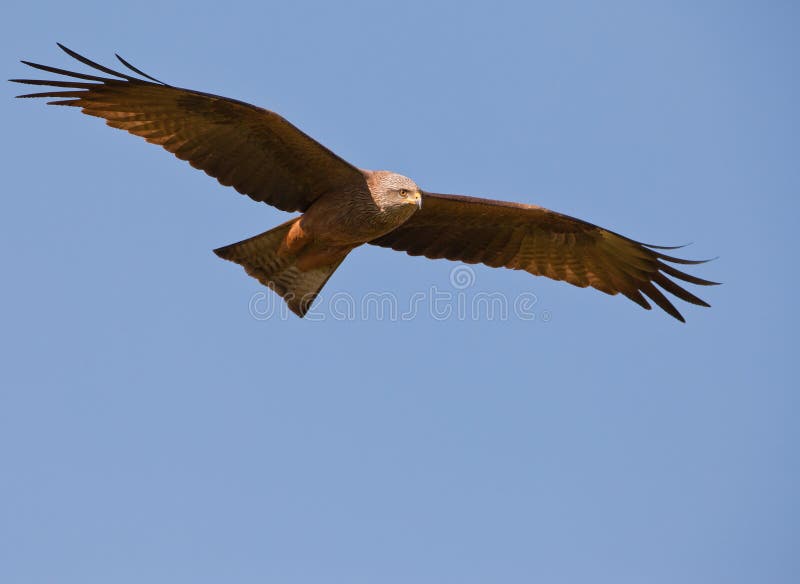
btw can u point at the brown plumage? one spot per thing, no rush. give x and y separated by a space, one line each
262 155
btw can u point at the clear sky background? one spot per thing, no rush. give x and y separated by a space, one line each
153 430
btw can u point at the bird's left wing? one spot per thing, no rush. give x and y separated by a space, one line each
254 150
542 242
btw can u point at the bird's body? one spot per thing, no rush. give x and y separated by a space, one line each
337 222
262 155
364 212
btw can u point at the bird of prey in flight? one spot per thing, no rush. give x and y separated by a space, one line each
263 156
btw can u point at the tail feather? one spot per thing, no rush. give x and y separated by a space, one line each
260 259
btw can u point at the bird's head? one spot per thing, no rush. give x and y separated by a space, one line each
394 192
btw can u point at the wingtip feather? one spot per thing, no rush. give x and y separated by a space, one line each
137 70
653 246
93 64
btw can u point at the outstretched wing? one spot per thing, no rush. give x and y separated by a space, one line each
544 243
254 150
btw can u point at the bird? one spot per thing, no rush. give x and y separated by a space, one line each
262 155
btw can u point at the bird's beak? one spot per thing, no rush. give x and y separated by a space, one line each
418 199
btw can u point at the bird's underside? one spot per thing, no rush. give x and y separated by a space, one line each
262 155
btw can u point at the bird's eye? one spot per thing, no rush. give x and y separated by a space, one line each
403 193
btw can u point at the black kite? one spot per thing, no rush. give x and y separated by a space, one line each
263 156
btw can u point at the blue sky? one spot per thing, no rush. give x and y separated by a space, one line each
154 429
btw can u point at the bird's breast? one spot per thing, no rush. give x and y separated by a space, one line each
352 218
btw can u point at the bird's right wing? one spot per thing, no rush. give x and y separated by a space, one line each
254 150
544 243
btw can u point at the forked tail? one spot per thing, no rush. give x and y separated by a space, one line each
279 272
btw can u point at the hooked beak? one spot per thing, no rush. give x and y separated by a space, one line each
418 199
